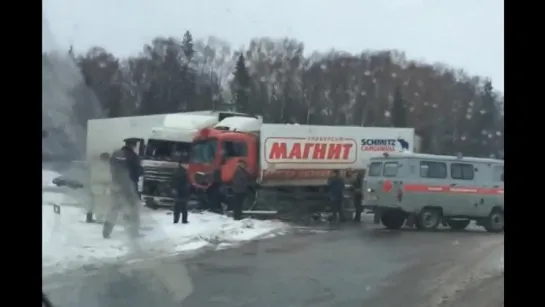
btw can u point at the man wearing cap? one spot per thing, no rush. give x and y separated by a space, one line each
125 170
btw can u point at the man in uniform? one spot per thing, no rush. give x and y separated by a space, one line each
125 170
180 184
336 187
240 188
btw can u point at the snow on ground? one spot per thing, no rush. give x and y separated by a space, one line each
69 242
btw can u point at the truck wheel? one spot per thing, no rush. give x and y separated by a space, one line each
458 224
429 219
392 219
494 222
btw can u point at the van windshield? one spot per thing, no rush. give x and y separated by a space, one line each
375 169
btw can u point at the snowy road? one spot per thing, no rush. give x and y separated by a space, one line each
352 266
205 264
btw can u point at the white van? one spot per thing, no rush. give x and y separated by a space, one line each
429 190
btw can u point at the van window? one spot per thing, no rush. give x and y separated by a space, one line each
390 169
375 169
462 171
498 173
430 169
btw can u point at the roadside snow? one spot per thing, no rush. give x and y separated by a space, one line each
69 242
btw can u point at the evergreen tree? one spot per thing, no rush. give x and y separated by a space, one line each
188 89
484 122
187 46
241 86
399 111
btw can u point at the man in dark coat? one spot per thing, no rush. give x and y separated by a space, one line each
214 193
358 196
180 184
241 182
335 186
125 170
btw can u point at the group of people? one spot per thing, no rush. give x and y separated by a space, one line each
125 171
336 187
212 196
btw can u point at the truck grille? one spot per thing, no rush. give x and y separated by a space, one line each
158 173
157 181
157 188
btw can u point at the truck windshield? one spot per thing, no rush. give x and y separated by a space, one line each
167 150
204 151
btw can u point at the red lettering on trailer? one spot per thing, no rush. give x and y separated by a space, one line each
298 150
449 189
298 174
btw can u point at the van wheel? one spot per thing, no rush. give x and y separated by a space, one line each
392 219
429 219
495 221
458 224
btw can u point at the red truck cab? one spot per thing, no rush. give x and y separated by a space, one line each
220 149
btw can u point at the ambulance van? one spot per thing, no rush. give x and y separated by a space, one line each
426 191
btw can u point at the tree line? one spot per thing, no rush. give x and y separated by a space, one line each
452 110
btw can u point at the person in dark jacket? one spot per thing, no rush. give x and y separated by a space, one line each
125 170
240 188
180 184
336 187
214 193
358 196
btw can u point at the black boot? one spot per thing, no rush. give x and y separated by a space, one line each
107 229
89 217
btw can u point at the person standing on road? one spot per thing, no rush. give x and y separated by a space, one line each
358 196
336 187
213 192
180 184
125 170
240 188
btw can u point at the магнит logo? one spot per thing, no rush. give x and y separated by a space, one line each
384 145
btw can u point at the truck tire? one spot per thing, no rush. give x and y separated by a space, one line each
495 221
392 219
428 219
458 224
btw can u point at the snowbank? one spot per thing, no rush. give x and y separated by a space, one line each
69 242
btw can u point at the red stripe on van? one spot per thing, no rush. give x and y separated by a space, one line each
449 189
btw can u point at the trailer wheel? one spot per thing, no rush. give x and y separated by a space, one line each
429 219
458 224
392 219
495 221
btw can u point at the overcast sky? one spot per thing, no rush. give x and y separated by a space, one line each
462 33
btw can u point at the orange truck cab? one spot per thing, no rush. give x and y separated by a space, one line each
220 149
